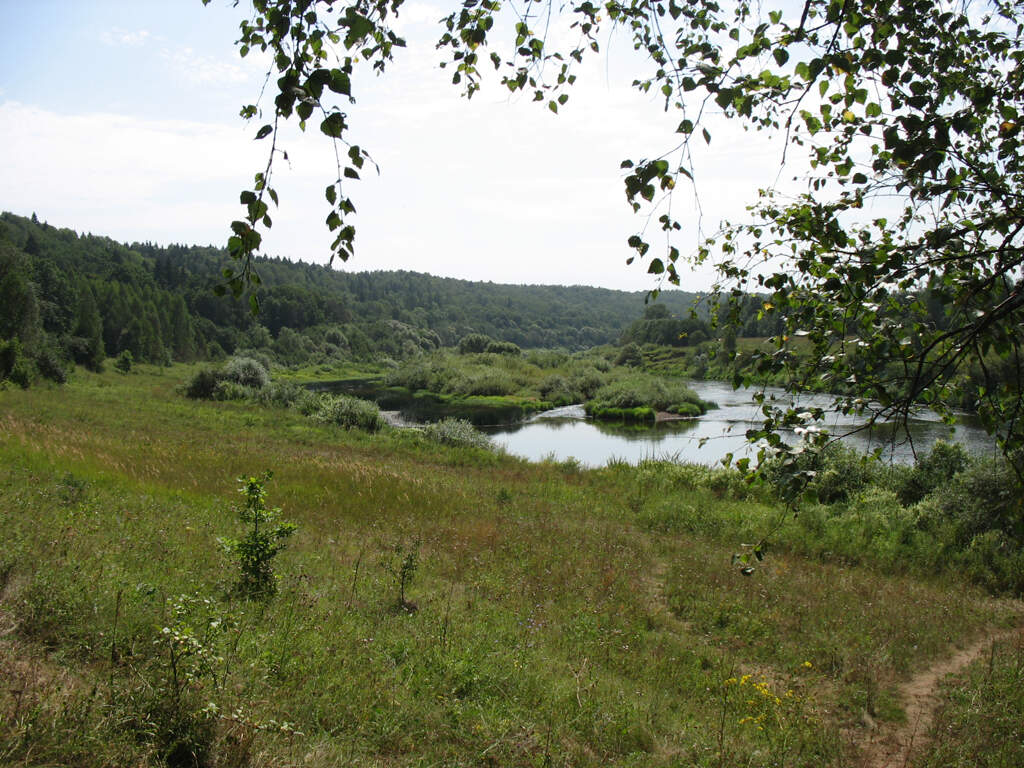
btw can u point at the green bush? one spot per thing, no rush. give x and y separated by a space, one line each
609 413
413 376
842 472
232 390
556 390
349 412
307 403
474 342
685 409
15 366
456 432
983 497
630 356
547 358
245 371
203 385
996 561
835 473
586 381
51 365
123 362
279 394
486 383
503 348
931 471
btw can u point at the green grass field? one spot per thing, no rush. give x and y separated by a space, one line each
555 617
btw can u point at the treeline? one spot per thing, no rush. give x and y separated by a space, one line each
742 317
66 297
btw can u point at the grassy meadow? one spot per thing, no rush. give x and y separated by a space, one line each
551 616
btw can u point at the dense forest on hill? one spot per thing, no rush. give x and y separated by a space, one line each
83 297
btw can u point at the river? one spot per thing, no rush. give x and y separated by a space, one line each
566 433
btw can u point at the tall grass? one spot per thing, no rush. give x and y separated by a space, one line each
563 616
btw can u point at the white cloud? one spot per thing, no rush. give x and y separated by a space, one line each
201 69
121 37
117 175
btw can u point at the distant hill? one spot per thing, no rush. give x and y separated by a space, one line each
158 303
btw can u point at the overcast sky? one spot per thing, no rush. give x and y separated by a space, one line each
120 117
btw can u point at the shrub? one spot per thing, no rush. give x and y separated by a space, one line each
586 381
835 473
261 357
474 342
283 394
640 391
503 348
123 362
995 561
685 409
246 371
630 356
232 390
14 365
547 358
308 403
611 413
50 365
349 412
490 382
402 562
336 337
456 432
413 376
842 471
984 497
931 471
556 390
203 385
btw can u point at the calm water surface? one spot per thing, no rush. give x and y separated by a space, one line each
566 433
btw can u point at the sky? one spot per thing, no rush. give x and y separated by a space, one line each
120 118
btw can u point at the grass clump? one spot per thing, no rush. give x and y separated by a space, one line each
349 412
456 432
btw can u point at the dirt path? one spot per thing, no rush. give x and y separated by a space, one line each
892 746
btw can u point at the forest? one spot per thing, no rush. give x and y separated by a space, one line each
78 297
